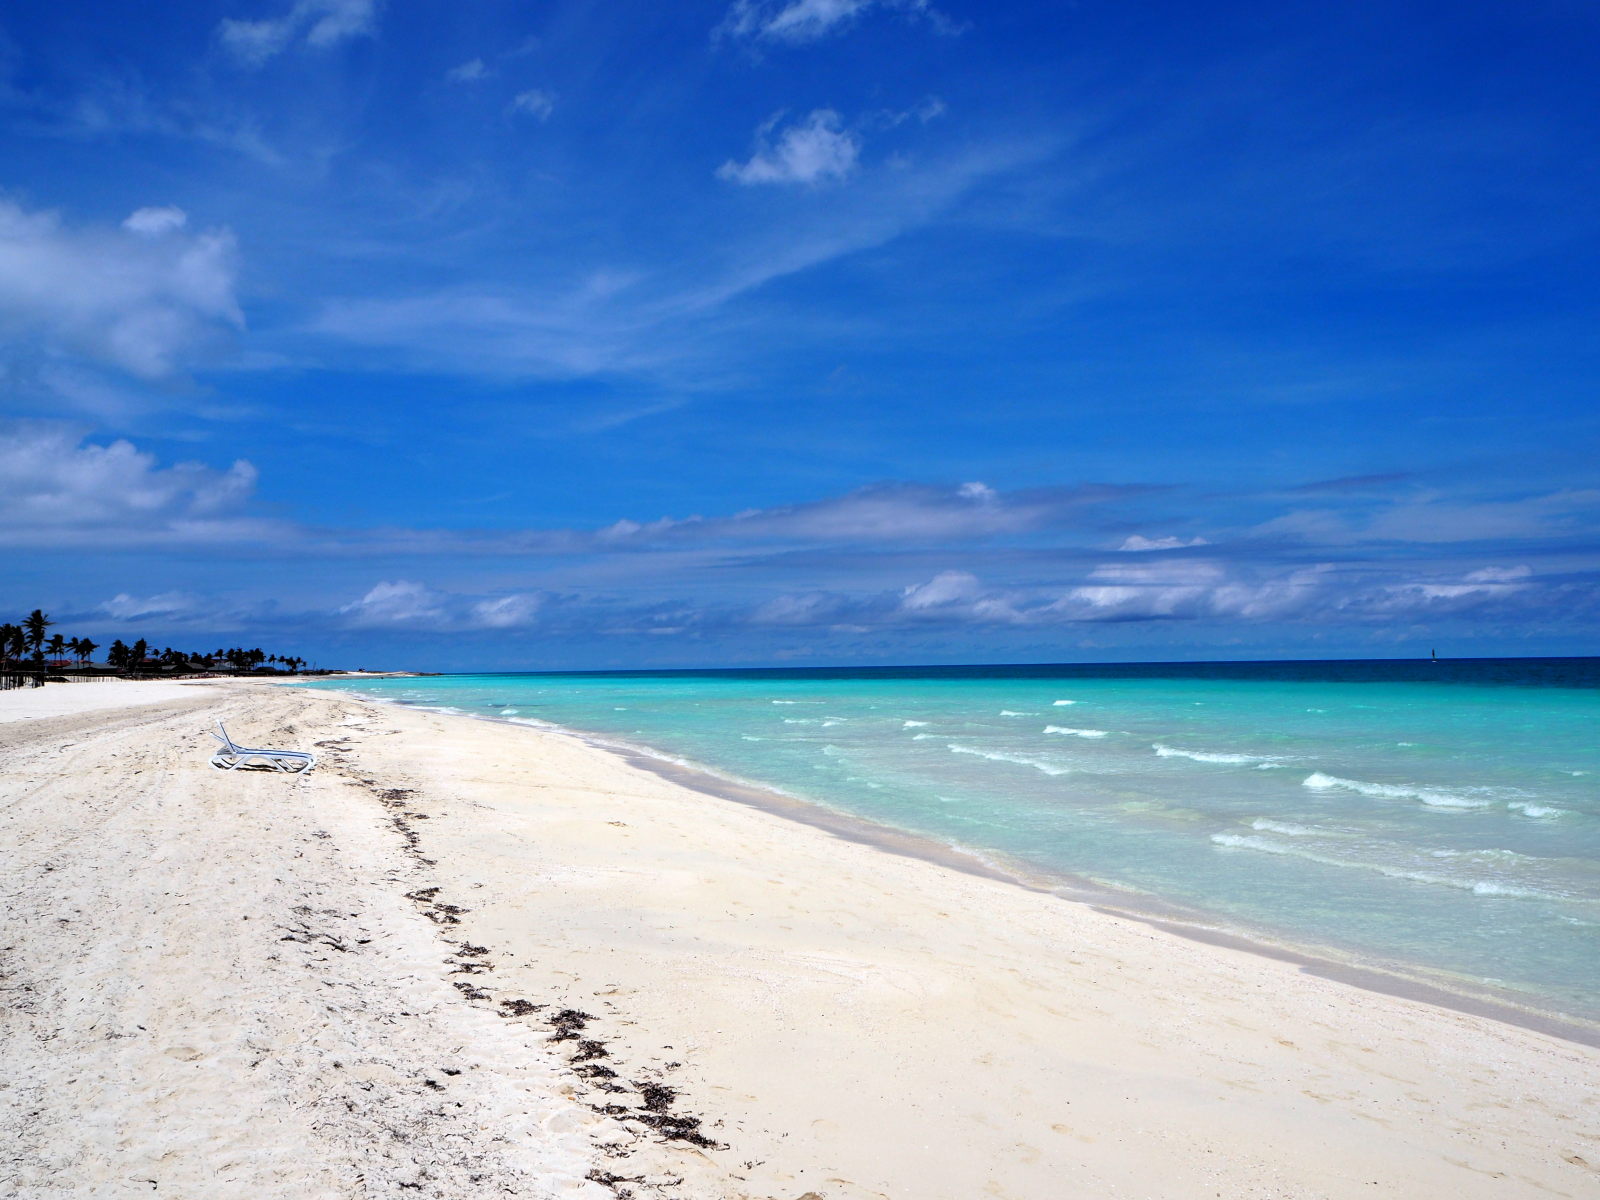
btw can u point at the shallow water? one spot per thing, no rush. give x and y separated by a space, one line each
1442 818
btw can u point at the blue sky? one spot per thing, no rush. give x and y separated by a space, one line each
512 335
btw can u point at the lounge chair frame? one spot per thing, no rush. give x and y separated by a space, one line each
233 756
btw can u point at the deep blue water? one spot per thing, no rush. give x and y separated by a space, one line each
1442 818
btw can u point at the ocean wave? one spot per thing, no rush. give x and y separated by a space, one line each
509 712
1062 703
1006 712
1086 733
1529 809
1208 756
912 724
1290 829
924 737
1021 760
1478 887
1433 798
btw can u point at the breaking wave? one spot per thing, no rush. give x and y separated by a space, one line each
1021 760
1433 798
1209 756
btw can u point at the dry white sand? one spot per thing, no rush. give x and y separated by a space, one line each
846 1022
70 699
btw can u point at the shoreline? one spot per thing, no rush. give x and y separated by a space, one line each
534 960
1417 984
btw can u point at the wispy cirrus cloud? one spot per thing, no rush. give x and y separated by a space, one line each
474 70
796 22
404 603
537 103
316 23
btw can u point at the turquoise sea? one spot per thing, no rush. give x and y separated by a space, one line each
1441 819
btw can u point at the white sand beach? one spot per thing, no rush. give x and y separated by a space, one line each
465 959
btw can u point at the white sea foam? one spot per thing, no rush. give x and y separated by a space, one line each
1006 712
832 721
1433 798
1207 756
1022 760
1063 703
912 724
1085 733
1528 809
1478 887
1290 829
509 712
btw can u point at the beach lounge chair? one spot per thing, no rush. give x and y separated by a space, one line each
231 757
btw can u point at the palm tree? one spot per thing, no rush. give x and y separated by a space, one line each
33 626
86 649
9 635
56 646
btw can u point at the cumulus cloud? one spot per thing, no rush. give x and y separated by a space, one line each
535 103
318 23
55 489
800 21
147 298
812 150
153 222
1174 591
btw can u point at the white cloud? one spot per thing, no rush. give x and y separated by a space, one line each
885 513
470 71
1431 518
1136 542
810 151
153 222
400 602
123 607
506 612
56 490
319 23
145 298
799 21
944 589
535 103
